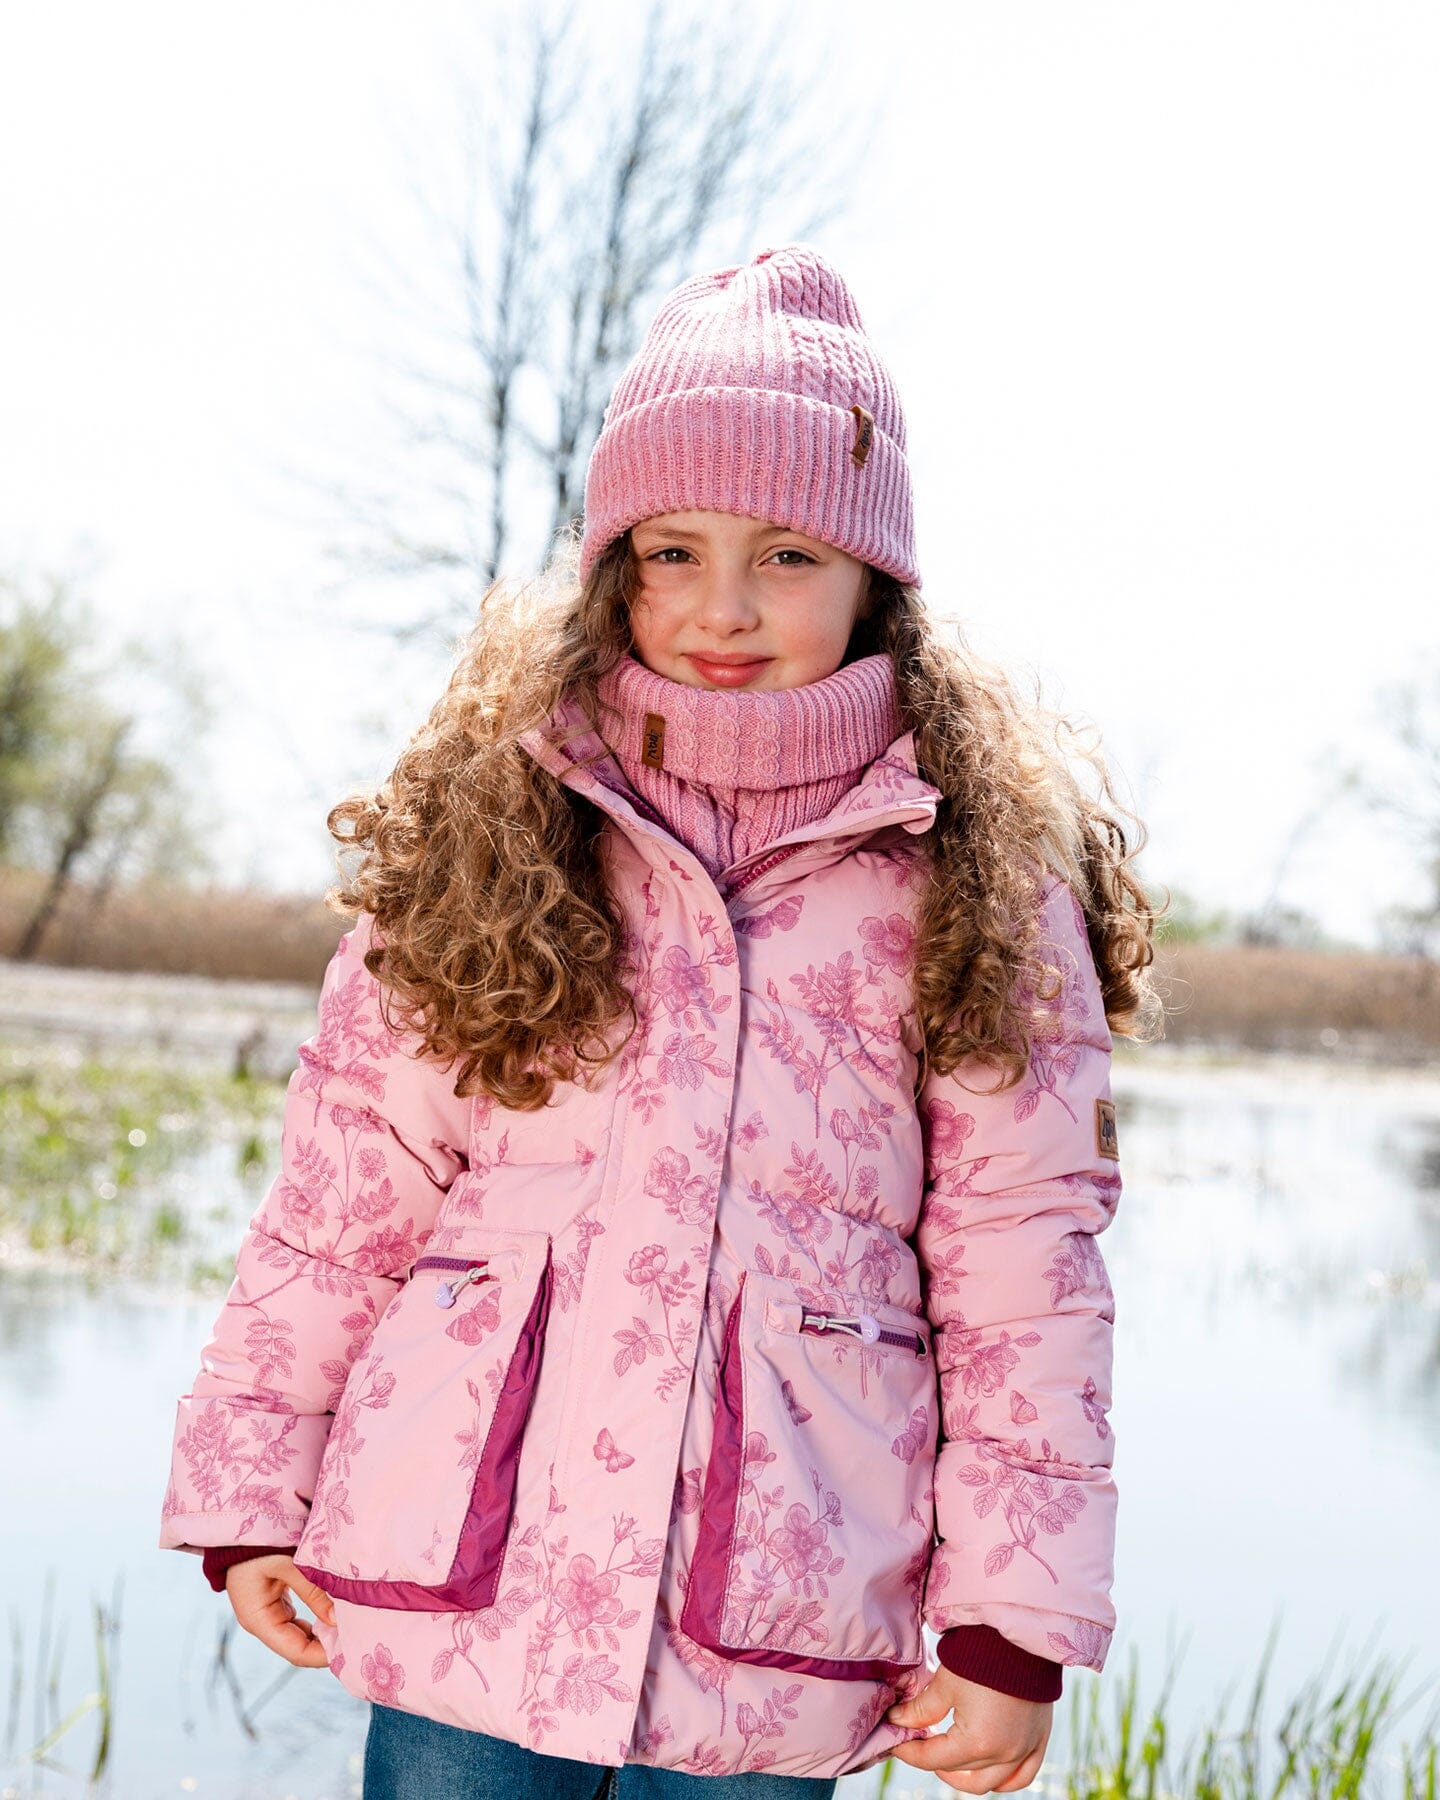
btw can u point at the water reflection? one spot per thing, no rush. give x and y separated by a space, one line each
1277 1425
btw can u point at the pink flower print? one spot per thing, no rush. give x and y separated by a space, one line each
801 1543
370 1163
890 941
1076 1268
687 1490
376 1203
1084 1644
687 1060
686 1196
682 987
588 1596
389 1249
383 1676
586 1681
269 1348
636 1345
878 1262
833 994
647 1265
301 1209
802 1225
987 1366
948 1129
757 1454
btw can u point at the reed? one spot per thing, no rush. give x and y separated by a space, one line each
1335 1740
1237 996
90 1143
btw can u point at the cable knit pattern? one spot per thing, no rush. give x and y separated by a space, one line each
741 768
758 391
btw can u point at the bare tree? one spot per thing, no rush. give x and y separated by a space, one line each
85 801
37 639
1409 797
592 184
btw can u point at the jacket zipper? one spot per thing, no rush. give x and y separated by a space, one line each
447 1290
763 867
864 1326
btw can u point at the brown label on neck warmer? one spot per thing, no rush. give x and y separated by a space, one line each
652 749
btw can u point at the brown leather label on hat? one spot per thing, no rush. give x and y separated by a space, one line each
652 749
864 434
1106 1141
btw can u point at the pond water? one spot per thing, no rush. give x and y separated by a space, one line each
1276 1263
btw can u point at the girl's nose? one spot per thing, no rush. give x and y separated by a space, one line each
725 603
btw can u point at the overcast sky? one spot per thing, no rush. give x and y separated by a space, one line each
1158 283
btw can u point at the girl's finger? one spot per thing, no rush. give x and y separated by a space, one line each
943 1751
315 1598
293 1639
984 1780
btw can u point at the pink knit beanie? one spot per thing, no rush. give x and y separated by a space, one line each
757 392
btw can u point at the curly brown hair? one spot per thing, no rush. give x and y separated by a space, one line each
501 947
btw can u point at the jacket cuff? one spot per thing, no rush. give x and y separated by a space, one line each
979 1653
216 1560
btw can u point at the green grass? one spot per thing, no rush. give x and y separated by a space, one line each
1337 1740
88 1142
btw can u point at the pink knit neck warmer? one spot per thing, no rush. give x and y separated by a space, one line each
730 770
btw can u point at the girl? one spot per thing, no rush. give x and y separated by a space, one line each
681 1287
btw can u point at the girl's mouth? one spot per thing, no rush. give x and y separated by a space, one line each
728 674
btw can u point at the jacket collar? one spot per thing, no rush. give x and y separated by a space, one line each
890 791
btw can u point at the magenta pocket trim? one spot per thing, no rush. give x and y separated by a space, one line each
474 1574
711 1566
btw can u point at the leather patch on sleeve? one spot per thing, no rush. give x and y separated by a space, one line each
652 750
1106 1142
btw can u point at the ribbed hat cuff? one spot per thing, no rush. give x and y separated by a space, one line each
763 454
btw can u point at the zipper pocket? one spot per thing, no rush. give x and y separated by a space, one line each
446 1292
864 1326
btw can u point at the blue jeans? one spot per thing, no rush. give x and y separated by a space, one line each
408 1757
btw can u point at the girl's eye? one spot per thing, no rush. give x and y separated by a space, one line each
668 550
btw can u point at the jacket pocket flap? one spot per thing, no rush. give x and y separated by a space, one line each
415 1492
817 1513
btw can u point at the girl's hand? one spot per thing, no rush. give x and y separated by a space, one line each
996 1742
256 1591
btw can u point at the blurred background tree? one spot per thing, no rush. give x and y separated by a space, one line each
93 740
595 174
1407 794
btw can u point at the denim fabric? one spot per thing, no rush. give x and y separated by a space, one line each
408 1757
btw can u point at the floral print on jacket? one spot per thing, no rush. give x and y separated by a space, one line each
654 1425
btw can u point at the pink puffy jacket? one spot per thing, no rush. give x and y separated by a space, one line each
652 1426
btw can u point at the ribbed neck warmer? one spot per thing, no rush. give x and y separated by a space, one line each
730 770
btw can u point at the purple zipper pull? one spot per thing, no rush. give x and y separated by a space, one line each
446 1292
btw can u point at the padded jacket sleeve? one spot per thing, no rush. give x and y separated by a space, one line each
373 1136
1018 1186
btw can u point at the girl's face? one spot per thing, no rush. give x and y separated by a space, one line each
731 602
